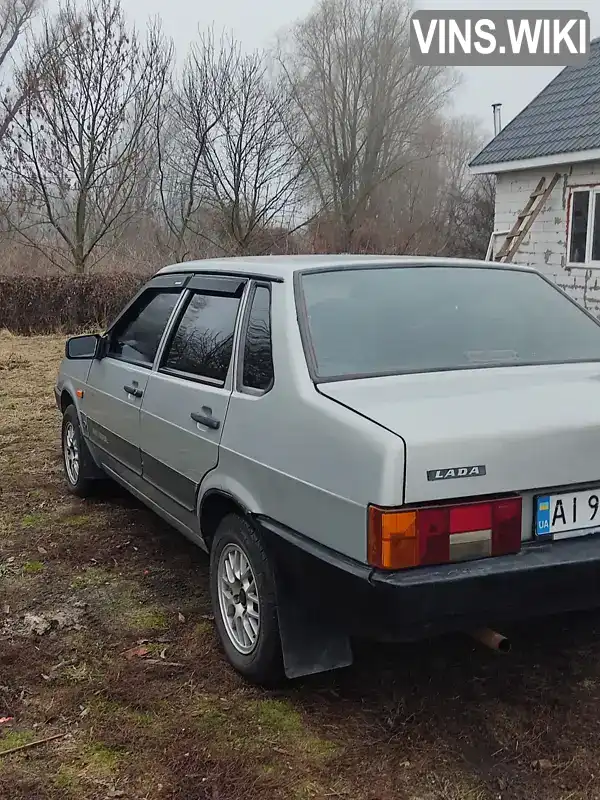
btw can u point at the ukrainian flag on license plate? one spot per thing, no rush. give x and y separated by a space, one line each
542 517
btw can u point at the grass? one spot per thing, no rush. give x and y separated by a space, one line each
32 567
126 603
441 720
12 739
78 521
32 520
65 779
91 576
279 716
102 760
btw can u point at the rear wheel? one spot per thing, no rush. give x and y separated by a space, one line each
78 464
244 604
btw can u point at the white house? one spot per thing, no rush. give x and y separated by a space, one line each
553 146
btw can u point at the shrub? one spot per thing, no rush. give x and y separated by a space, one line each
38 304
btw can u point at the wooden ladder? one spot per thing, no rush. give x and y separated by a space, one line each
526 219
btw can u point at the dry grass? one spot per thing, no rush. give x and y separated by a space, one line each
438 721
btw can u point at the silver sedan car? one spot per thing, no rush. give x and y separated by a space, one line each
374 446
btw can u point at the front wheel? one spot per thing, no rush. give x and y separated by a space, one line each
77 461
244 604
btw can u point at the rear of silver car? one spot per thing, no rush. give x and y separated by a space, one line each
490 378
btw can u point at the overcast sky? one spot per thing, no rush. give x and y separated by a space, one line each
257 22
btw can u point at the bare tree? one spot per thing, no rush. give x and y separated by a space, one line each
79 144
463 138
189 110
472 220
432 206
467 212
251 162
15 24
17 82
363 101
227 166
432 194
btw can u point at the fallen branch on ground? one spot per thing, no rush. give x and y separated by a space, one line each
32 744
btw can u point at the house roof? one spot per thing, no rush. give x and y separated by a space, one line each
564 118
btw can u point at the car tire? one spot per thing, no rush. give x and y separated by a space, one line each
78 464
259 661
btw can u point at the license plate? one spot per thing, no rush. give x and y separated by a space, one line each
561 516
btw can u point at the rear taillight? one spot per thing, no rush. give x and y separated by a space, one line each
443 534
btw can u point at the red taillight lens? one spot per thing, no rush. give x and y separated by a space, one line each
472 517
433 525
441 534
506 526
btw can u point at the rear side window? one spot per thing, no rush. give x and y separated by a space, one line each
137 335
258 356
203 341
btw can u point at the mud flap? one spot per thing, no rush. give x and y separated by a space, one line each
309 643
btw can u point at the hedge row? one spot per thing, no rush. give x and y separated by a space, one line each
63 303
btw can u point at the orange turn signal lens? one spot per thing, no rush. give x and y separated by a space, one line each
392 538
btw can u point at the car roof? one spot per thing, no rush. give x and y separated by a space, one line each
280 267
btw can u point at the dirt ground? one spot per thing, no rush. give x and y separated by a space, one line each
107 643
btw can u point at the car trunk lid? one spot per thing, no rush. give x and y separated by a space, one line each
486 431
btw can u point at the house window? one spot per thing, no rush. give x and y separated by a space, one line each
584 227
596 230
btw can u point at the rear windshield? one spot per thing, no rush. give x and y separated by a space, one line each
378 321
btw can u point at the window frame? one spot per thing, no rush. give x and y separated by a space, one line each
593 190
208 285
176 280
171 284
240 386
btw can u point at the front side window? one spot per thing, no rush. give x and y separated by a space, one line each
202 344
136 336
257 370
378 321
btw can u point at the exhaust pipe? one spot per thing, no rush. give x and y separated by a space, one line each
491 639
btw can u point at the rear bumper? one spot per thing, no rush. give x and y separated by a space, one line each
542 579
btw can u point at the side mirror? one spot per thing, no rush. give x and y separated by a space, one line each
85 347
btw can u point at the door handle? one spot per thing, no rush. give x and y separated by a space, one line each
205 419
132 390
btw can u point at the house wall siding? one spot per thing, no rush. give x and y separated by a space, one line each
545 246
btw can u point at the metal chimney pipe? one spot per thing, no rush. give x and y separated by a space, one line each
497 118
